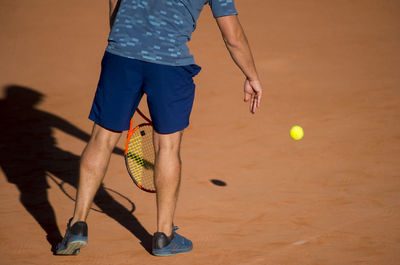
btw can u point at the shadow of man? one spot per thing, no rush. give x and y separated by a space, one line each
28 152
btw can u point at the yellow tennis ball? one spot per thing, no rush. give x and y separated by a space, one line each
296 132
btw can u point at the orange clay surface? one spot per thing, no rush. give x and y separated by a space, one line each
332 67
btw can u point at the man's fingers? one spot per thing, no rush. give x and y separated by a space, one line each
254 101
247 96
247 88
259 99
252 92
254 104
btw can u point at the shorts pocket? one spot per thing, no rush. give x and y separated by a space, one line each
192 69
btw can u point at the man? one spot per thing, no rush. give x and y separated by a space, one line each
147 53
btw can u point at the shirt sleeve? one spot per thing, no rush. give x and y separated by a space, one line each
222 8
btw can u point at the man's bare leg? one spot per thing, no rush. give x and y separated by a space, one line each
167 178
93 166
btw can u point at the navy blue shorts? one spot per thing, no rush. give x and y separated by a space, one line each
123 81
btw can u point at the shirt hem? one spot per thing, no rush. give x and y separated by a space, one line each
146 60
226 14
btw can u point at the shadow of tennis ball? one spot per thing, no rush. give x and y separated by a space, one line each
218 182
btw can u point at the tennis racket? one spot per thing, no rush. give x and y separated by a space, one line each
139 154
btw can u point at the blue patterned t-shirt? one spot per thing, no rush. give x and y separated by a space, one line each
157 30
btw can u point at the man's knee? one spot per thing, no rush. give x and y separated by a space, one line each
104 137
167 142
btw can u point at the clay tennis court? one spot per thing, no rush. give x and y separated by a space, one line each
331 198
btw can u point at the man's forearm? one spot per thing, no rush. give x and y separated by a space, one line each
242 56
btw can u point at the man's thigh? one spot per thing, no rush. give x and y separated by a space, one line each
118 93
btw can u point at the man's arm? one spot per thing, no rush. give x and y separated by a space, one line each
238 46
114 5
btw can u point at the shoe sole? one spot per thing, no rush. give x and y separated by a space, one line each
166 253
73 248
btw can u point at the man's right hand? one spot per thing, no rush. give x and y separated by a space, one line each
252 92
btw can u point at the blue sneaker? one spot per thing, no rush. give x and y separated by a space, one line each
174 244
76 237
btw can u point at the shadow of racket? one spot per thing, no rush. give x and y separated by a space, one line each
70 191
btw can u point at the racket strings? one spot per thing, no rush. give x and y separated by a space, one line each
140 157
